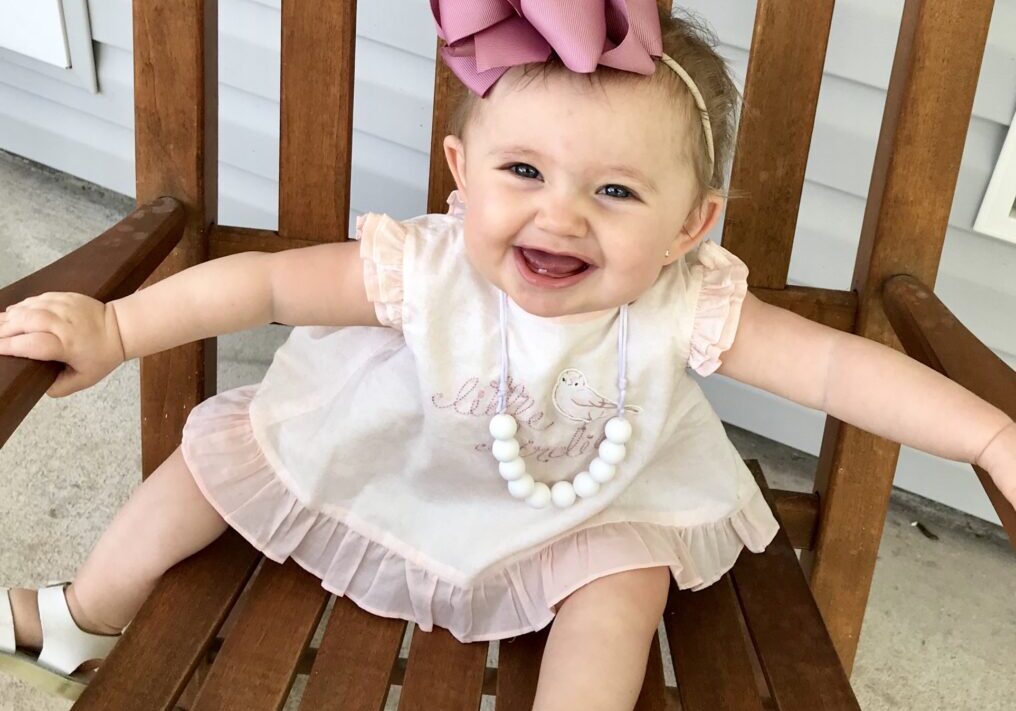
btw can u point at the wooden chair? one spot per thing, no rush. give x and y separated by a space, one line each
772 634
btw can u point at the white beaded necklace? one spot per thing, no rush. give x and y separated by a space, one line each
612 450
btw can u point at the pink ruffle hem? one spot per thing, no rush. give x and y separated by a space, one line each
224 457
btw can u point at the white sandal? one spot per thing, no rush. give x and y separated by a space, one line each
65 646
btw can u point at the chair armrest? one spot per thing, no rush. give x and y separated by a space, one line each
931 334
111 266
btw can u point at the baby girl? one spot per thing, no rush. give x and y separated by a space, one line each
483 420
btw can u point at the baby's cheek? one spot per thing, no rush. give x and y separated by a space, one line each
635 276
485 255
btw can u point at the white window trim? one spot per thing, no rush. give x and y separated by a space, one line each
79 46
997 216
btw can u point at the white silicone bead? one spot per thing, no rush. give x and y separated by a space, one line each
540 496
512 469
601 470
503 426
612 453
563 494
585 485
505 450
617 430
522 487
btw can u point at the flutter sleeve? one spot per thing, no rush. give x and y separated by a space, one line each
382 249
723 280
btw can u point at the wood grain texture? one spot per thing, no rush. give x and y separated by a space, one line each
448 93
927 112
151 665
798 513
354 663
518 670
709 650
175 117
257 664
794 648
932 334
111 266
830 307
788 49
225 241
443 673
316 125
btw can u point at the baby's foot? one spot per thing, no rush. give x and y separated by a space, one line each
28 626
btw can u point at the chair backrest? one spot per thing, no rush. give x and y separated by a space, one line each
904 225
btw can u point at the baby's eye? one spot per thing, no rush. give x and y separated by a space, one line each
523 170
618 191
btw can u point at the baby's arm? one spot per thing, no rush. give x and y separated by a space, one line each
320 285
860 382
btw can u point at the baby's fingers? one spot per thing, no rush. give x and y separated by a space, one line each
37 346
29 320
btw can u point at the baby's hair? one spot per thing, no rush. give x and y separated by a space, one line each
689 40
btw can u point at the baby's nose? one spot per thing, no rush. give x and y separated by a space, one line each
562 215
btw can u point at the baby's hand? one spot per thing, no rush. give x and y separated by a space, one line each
999 460
63 326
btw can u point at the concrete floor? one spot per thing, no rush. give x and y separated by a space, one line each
940 630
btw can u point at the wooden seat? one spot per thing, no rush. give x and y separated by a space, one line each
226 629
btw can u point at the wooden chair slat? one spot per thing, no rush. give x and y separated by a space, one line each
447 94
780 97
799 514
653 694
831 307
443 673
172 631
234 240
929 103
709 650
794 648
932 334
316 120
175 146
108 267
518 670
354 663
257 664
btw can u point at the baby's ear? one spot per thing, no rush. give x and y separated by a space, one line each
696 226
455 155
702 219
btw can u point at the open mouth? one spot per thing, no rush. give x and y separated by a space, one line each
550 270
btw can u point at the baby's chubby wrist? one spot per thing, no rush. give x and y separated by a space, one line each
1001 445
113 331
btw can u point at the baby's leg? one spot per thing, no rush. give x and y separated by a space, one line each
165 520
596 653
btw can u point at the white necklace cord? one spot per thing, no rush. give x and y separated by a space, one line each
602 469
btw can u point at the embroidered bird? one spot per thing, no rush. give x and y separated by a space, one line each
576 400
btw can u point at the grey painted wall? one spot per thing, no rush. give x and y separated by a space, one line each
91 135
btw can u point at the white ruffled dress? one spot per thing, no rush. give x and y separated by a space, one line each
364 453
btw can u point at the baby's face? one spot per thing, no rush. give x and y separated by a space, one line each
575 192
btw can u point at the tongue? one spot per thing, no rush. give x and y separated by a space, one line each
556 265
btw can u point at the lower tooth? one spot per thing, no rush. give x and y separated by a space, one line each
541 271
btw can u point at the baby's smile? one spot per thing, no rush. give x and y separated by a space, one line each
551 270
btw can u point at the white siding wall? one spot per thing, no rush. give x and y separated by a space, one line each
92 136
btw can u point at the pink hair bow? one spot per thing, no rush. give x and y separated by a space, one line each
484 38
